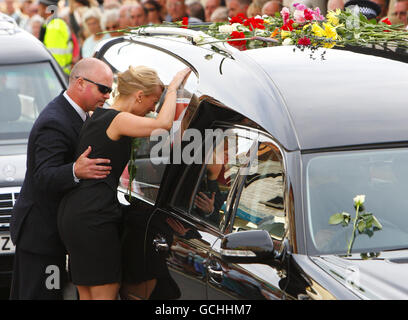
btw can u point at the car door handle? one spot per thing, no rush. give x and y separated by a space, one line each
215 272
160 244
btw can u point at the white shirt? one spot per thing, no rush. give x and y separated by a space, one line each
82 114
77 108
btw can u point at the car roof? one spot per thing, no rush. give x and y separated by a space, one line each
21 46
232 78
346 99
304 102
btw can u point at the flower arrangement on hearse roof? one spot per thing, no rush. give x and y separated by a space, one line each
303 28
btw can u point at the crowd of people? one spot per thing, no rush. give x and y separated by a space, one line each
86 19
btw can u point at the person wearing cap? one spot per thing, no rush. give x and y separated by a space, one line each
55 34
367 8
384 4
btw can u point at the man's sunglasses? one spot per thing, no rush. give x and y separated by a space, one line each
102 88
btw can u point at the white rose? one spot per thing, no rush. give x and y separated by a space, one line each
359 200
287 42
226 28
198 39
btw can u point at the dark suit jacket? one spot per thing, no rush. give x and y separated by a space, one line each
50 156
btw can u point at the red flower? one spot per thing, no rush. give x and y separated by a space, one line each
386 21
254 23
308 14
304 41
185 22
239 18
288 25
241 44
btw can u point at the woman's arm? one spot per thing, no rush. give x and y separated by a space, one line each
127 124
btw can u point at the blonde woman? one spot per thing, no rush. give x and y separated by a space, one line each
89 216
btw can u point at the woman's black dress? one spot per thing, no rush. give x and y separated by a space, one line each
89 217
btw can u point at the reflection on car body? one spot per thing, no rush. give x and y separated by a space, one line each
309 136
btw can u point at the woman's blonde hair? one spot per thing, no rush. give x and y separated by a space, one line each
138 78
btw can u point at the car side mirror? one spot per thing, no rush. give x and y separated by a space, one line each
247 247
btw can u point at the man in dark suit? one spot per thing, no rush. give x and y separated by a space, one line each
40 258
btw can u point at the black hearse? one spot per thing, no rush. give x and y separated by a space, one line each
309 135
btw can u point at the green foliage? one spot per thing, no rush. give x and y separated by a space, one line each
365 223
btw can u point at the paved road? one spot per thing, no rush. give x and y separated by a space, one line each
70 293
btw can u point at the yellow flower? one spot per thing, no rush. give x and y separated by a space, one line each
317 30
285 34
330 31
332 17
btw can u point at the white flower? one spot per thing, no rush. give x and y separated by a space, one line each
237 25
287 42
198 39
359 200
226 28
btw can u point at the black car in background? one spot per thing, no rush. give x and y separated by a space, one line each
309 135
29 79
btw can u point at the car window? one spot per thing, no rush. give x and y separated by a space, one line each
150 165
260 205
124 54
211 182
334 179
24 90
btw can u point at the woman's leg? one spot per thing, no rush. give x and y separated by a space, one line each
140 291
84 293
104 292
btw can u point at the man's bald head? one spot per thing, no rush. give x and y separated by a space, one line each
88 67
84 82
271 7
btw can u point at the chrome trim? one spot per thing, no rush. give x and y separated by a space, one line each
12 191
237 253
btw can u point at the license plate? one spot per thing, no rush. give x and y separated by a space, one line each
6 246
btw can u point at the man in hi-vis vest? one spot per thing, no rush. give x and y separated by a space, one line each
55 34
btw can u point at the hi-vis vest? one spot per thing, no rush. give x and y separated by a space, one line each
58 41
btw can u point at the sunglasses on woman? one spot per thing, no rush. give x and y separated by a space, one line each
102 88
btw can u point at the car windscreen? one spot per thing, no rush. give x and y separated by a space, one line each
333 180
24 91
